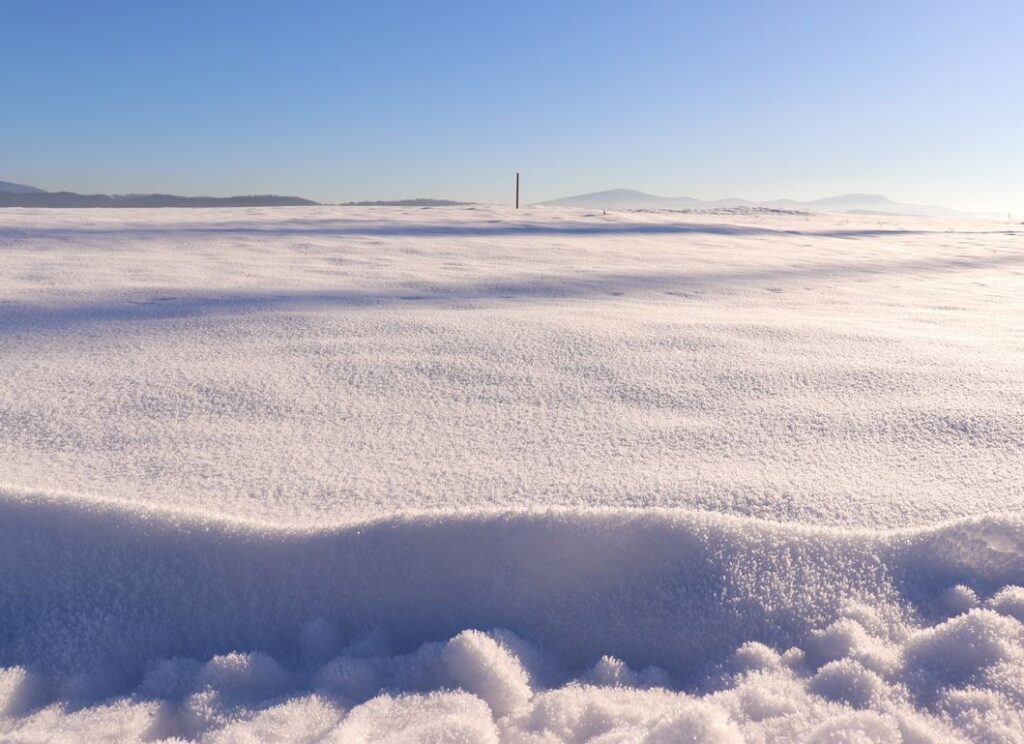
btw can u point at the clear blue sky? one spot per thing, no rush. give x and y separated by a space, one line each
922 101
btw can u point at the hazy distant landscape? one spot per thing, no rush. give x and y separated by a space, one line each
869 204
20 195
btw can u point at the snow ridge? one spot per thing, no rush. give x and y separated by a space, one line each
218 620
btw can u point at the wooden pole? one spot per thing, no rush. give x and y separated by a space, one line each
517 189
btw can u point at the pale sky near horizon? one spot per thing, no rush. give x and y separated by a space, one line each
920 101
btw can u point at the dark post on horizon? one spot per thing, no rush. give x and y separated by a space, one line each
517 189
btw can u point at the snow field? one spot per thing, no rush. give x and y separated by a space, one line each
468 475
303 365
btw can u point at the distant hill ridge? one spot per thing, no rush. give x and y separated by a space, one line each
18 188
20 195
851 203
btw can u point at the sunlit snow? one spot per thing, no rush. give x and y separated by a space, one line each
478 475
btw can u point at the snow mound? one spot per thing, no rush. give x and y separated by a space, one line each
615 626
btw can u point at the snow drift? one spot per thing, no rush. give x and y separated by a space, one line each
680 621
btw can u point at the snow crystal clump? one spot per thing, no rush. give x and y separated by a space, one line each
19 691
958 599
958 651
698 723
1009 601
754 656
847 681
483 667
407 719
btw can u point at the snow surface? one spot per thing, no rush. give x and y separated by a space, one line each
362 474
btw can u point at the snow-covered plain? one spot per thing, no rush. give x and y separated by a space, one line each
480 475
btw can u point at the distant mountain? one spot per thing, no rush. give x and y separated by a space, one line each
37 198
407 203
6 187
877 204
850 203
626 199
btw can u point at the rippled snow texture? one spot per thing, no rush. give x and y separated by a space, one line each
309 364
